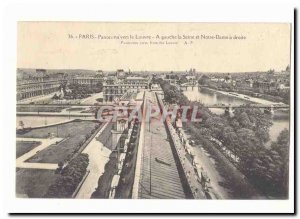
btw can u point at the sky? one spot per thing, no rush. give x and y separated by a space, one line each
53 45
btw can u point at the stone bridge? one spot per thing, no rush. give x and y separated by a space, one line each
192 84
274 106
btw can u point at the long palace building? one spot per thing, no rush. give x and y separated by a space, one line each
89 81
114 88
39 84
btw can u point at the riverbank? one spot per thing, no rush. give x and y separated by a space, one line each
208 96
246 97
226 179
243 177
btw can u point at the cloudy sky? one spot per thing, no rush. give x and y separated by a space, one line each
48 45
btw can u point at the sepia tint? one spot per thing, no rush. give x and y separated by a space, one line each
153 110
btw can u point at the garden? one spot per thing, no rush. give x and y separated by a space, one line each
75 134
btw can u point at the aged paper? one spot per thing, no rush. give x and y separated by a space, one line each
153 110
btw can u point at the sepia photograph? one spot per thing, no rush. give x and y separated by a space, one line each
108 110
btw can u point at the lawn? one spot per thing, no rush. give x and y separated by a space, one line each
25 146
72 132
33 183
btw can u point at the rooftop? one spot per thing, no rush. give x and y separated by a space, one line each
135 78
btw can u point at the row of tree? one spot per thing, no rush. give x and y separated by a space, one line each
69 178
245 134
79 91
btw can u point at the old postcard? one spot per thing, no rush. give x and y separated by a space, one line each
153 110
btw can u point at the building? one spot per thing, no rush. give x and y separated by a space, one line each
120 73
114 88
283 88
136 83
264 86
39 84
172 78
155 87
89 81
191 78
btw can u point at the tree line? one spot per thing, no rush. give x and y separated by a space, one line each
69 178
244 135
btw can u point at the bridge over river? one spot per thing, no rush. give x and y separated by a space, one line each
274 106
192 84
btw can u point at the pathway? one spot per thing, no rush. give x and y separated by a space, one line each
208 165
98 157
92 99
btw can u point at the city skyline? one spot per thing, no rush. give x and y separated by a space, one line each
152 71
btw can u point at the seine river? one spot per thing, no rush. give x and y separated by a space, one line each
280 119
203 95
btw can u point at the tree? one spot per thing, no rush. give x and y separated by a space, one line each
249 146
60 166
99 86
255 120
216 124
281 146
183 80
204 80
70 177
55 97
244 120
262 134
230 138
235 124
